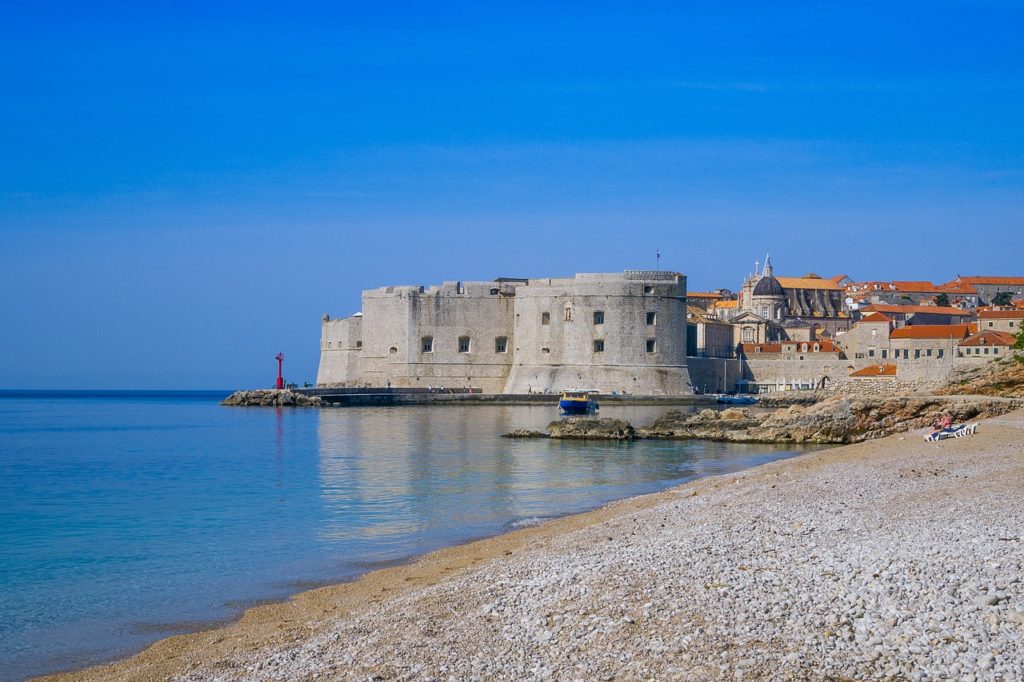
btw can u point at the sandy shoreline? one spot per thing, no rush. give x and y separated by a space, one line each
871 560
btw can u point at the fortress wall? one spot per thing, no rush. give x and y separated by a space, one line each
714 375
786 370
561 354
340 348
404 316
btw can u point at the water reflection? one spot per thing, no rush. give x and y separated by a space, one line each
399 481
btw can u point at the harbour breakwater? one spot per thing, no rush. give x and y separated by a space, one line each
835 421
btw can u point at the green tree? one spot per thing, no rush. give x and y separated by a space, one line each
942 300
1003 298
1020 340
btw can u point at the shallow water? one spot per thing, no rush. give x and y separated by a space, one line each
127 517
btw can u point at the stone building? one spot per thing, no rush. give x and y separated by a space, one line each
987 288
707 337
903 315
986 345
1010 321
609 332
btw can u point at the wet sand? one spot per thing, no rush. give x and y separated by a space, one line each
823 564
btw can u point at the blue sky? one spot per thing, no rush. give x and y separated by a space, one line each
186 188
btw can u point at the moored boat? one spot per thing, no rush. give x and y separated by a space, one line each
577 402
736 400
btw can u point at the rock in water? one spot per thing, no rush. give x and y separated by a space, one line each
525 433
602 428
271 398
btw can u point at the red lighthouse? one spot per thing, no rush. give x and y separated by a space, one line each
280 377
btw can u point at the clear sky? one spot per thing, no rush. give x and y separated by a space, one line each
185 188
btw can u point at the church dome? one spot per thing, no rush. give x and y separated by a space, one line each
768 286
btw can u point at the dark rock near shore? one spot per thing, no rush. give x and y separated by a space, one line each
588 428
525 433
271 398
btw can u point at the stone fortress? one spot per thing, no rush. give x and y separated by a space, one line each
621 332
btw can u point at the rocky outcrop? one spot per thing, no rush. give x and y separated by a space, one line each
1004 377
271 398
588 428
838 420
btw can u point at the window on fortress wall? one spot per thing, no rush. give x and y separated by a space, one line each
567 313
599 346
545 318
359 344
652 319
392 350
427 344
463 344
501 344
652 346
649 289
598 317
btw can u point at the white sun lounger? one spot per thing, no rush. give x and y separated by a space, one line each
952 432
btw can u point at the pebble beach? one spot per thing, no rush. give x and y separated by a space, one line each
888 559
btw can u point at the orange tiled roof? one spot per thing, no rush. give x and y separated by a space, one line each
930 331
887 370
808 283
989 338
724 304
911 309
1001 314
1012 281
703 294
875 317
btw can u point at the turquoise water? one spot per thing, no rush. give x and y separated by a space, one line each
126 517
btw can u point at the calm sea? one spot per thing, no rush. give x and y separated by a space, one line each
129 516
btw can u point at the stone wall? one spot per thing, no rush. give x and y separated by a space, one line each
715 375
807 369
442 336
340 348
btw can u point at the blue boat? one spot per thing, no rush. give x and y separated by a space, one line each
736 400
577 402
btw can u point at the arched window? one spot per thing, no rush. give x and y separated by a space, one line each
392 351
